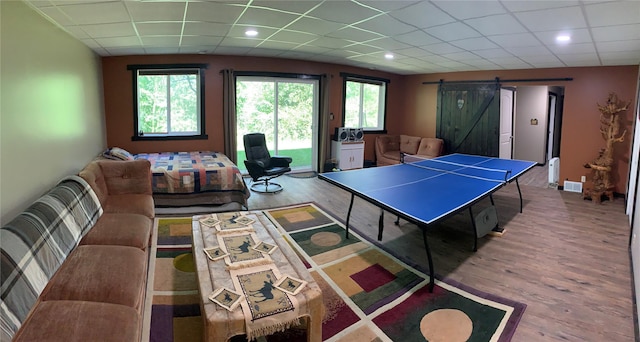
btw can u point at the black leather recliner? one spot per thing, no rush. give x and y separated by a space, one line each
263 167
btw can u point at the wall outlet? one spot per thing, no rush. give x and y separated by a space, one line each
583 179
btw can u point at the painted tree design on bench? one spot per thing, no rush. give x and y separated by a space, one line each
601 167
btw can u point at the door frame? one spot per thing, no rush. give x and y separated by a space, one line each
507 111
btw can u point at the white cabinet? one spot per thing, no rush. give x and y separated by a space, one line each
348 154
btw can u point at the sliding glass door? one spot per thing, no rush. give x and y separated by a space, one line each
285 110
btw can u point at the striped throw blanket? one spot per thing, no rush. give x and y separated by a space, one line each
37 242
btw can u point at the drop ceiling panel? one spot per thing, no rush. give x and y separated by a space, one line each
161 42
388 44
515 40
556 19
293 36
453 31
616 33
354 34
119 42
422 15
578 36
522 6
159 29
202 41
108 30
496 24
425 36
299 7
465 9
572 49
624 45
156 11
125 51
442 48
343 12
613 13
97 13
417 38
214 12
314 25
205 28
480 43
493 53
266 17
385 25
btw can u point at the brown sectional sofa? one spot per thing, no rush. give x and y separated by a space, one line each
74 263
389 147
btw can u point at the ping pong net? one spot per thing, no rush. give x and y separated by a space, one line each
464 170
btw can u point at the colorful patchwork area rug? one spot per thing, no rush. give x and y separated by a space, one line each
368 294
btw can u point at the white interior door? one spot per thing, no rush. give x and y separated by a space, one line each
506 123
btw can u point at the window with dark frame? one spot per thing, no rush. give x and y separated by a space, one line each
168 101
364 102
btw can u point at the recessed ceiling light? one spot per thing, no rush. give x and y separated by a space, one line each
563 38
388 56
251 33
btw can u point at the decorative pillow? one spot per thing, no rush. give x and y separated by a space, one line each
117 153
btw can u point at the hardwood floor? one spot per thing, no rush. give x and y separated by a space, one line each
566 258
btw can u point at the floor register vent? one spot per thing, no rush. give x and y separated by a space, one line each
572 186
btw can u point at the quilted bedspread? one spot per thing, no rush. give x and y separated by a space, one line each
193 172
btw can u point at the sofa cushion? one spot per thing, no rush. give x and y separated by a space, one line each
81 321
92 173
409 144
36 243
430 147
109 178
393 155
120 229
131 177
108 274
134 204
386 143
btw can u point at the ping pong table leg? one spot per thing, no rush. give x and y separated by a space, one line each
426 247
346 232
475 230
380 224
519 193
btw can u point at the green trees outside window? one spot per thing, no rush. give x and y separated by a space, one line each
364 102
169 101
282 108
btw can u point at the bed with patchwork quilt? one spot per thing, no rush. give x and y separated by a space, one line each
199 177
193 178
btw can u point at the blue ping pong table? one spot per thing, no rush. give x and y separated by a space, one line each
427 191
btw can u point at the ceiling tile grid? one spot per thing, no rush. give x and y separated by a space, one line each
424 36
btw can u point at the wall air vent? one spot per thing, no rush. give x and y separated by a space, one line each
572 186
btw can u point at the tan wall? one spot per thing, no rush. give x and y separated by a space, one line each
119 98
52 121
581 140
